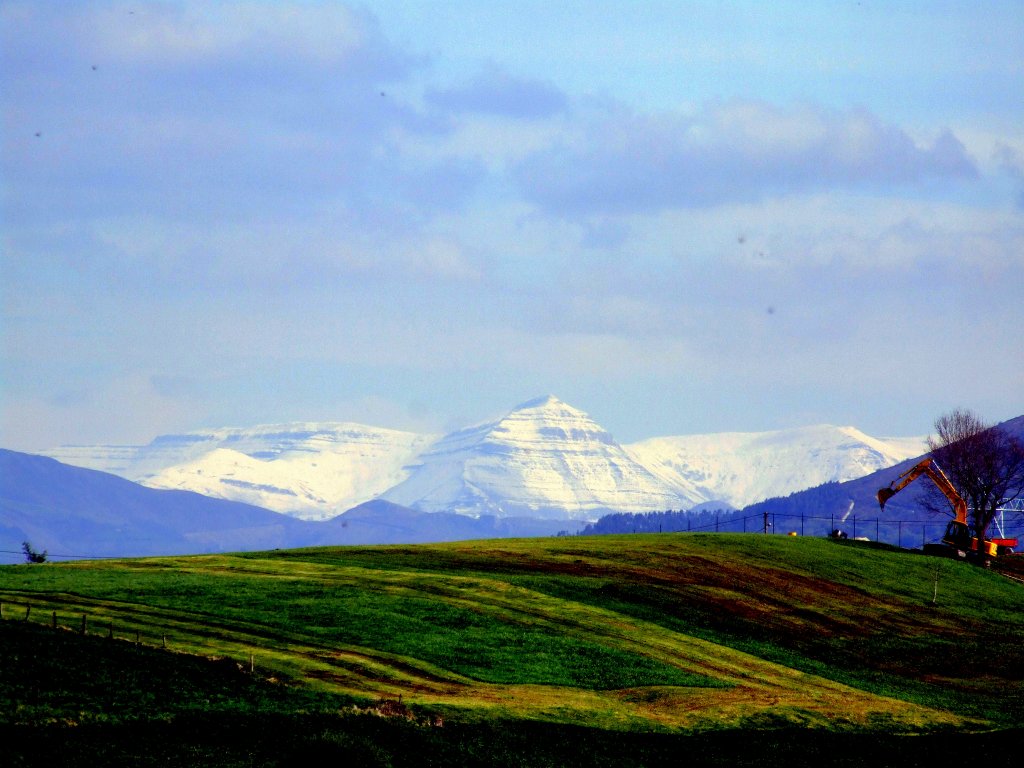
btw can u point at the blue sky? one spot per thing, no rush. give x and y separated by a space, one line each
679 217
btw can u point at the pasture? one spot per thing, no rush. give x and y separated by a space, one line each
673 634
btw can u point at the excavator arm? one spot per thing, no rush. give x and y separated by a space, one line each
931 470
958 536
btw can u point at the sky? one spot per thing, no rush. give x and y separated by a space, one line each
679 217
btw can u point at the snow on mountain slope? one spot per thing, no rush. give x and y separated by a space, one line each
742 468
309 470
543 459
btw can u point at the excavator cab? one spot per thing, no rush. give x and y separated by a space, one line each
957 542
962 538
958 535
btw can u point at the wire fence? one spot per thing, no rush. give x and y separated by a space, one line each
138 629
905 533
18 556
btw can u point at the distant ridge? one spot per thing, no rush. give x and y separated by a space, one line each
73 512
740 468
306 469
82 512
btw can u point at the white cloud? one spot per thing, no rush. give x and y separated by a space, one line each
497 92
121 410
729 152
246 191
194 32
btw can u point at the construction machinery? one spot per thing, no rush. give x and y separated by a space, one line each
959 539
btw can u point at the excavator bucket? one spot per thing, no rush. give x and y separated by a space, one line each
884 494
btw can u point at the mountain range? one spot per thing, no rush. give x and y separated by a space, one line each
543 459
309 470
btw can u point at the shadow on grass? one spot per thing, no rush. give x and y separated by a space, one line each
374 741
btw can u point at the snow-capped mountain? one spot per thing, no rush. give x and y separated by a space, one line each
309 470
742 468
543 459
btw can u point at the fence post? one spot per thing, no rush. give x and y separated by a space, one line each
54 619
801 522
28 611
876 529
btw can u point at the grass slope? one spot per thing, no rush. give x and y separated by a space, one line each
663 634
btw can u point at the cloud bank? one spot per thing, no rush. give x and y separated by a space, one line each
734 152
282 207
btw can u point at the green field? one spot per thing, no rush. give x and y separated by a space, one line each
620 638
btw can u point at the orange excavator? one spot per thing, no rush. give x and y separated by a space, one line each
958 539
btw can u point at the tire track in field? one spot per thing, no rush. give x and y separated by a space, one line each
756 678
756 683
357 667
760 679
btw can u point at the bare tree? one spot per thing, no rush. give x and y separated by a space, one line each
985 463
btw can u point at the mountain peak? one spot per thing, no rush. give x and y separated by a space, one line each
542 402
544 458
548 408
549 422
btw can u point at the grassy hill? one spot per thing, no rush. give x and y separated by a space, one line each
621 645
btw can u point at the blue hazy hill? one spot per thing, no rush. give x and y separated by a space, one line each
74 512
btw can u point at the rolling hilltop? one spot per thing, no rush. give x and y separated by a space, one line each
648 637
